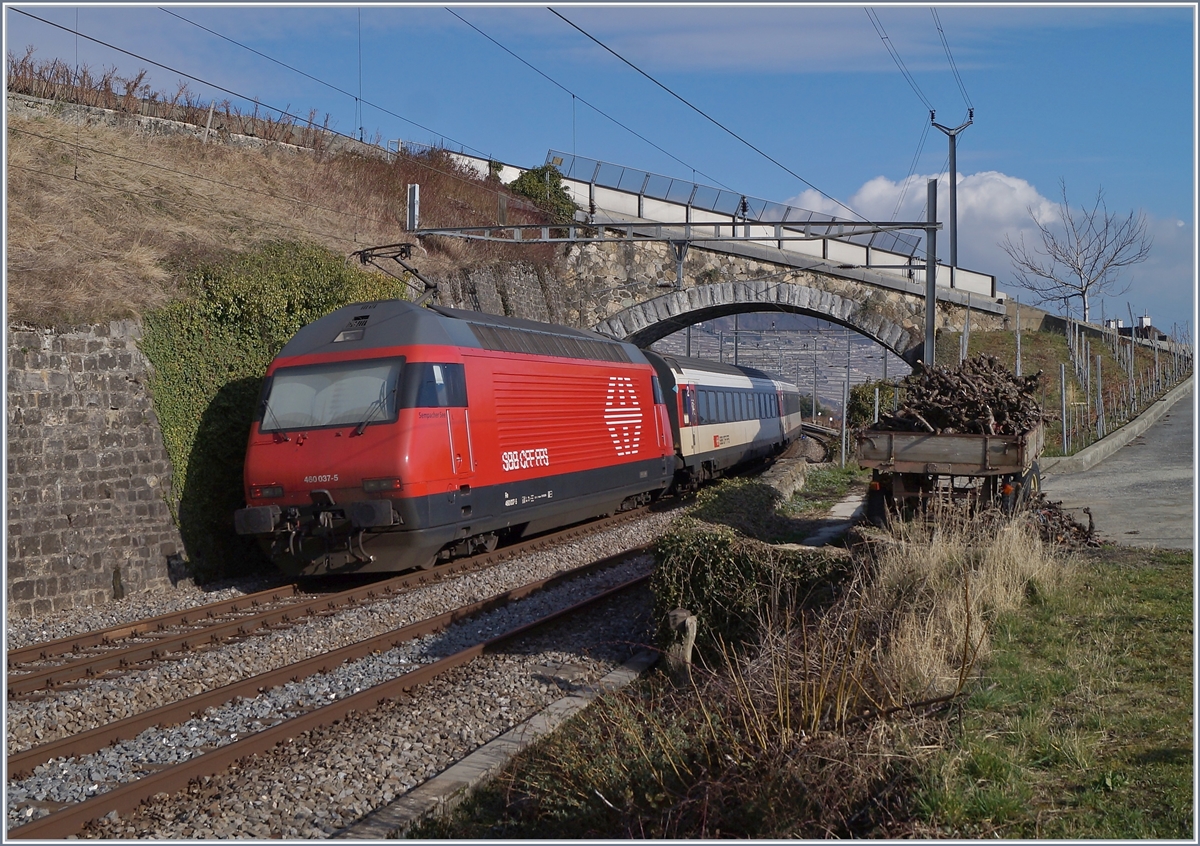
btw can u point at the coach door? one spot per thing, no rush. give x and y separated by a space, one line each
690 418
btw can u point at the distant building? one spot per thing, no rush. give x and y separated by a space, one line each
1143 329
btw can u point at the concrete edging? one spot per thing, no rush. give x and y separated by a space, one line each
1089 457
451 786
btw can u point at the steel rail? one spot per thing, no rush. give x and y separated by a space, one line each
128 797
122 658
141 628
21 764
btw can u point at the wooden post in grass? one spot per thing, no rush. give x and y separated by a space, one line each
679 654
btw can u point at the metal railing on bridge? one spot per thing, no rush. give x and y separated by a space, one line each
614 194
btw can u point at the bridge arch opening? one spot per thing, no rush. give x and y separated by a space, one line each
648 322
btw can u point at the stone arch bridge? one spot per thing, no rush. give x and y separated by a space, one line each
642 301
658 254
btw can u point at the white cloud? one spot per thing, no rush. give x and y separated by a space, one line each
992 205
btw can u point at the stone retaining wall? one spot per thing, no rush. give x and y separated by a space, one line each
87 471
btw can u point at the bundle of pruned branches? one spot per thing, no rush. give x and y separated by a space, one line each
981 396
1057 526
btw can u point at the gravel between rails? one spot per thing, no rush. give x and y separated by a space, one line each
67 712
24 631
329 778
105 700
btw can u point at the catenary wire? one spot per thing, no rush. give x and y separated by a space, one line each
328 85
585 102
236 94
887 42
962 88
704 114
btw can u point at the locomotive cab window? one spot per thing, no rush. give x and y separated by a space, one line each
342 393
428 385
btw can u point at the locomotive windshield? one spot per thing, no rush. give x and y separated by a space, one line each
343 393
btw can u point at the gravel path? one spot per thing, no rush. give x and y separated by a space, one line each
508 691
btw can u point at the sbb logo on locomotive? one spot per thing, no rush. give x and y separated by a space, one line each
623 415
522 459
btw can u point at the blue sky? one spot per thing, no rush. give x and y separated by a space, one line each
1097 96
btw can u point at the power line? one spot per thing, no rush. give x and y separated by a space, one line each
705 115
887 42
575 96
356 98
251 99
962 88
232 93
912 168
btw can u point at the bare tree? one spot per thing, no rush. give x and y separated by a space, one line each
1086 260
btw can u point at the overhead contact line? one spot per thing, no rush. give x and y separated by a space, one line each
705 115
591 106
282 112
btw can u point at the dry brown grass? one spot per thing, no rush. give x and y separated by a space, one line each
104 222
937 587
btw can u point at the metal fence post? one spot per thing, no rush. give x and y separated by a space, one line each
1062 380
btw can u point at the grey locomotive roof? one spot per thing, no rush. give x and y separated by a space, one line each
388 323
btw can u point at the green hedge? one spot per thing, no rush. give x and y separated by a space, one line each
210 352
732 582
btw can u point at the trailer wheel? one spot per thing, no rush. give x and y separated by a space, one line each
1022 489
877 514
1031 483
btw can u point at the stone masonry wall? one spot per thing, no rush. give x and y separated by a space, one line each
592 282
87 471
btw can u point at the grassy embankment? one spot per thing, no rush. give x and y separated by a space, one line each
1046 351
103 223
960 679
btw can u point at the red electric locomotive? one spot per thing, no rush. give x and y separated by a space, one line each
388 436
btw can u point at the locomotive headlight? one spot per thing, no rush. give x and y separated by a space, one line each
376 485
266 491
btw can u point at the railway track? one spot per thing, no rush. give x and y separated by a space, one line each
126 796
34 668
